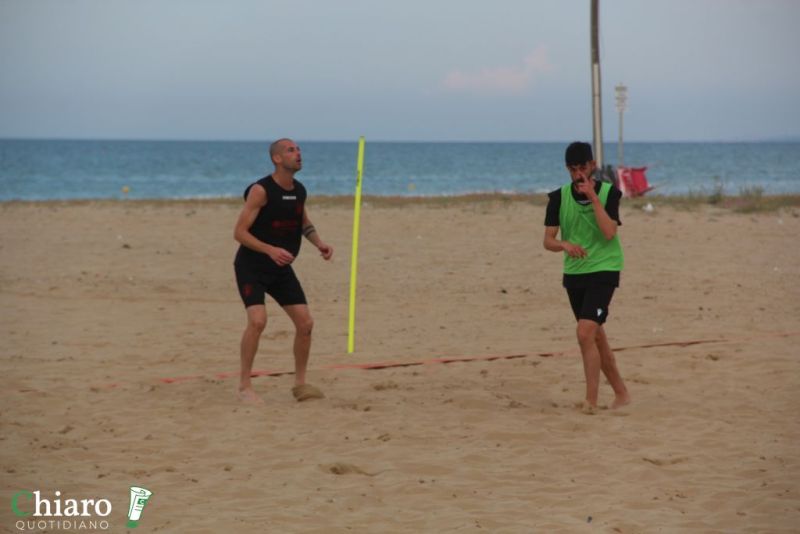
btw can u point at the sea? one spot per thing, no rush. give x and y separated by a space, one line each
81 169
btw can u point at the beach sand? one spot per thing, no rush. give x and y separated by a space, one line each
104 302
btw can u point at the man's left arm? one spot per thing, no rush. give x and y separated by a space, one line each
607 225
312 235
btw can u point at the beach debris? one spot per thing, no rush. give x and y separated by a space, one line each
648 208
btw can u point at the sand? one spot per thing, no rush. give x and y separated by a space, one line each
121 325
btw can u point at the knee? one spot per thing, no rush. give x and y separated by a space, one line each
305 326
257 324
586 332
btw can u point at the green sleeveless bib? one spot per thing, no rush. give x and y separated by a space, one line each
579 226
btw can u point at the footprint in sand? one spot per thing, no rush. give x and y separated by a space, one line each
353 406
381 386
342 468
667 461
279 334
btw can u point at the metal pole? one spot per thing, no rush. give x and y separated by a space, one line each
622 99
620 156
597 112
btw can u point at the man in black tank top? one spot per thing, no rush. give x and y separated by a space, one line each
269 229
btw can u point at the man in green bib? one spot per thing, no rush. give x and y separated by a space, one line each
587 214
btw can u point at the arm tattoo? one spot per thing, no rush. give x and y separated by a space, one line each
308 230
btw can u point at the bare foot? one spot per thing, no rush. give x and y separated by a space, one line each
248 396
620 401
587 408
304 392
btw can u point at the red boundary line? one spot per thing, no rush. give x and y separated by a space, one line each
446 360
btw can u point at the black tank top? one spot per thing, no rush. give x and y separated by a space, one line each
279 223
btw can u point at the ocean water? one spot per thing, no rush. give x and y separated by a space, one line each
45 170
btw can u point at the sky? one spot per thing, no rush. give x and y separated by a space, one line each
410 70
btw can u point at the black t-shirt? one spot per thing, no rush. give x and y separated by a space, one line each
552 219
278 223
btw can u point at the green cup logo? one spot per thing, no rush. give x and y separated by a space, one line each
139 498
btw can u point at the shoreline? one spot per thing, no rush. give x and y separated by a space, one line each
745 202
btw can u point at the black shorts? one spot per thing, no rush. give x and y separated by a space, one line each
591 303
282 285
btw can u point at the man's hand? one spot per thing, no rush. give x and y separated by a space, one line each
325 250
585 186
573 251
280 256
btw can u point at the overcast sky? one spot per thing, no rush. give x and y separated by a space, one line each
506 70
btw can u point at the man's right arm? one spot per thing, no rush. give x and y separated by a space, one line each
550 242
554 245
257 199
552 225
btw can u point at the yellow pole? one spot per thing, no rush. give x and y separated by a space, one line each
354 259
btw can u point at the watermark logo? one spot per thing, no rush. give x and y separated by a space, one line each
57 513
139 498
37 512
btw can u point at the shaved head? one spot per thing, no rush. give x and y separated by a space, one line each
275 147
285 155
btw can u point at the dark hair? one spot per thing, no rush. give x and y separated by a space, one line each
578 153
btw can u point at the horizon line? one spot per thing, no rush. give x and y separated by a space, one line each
780 139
